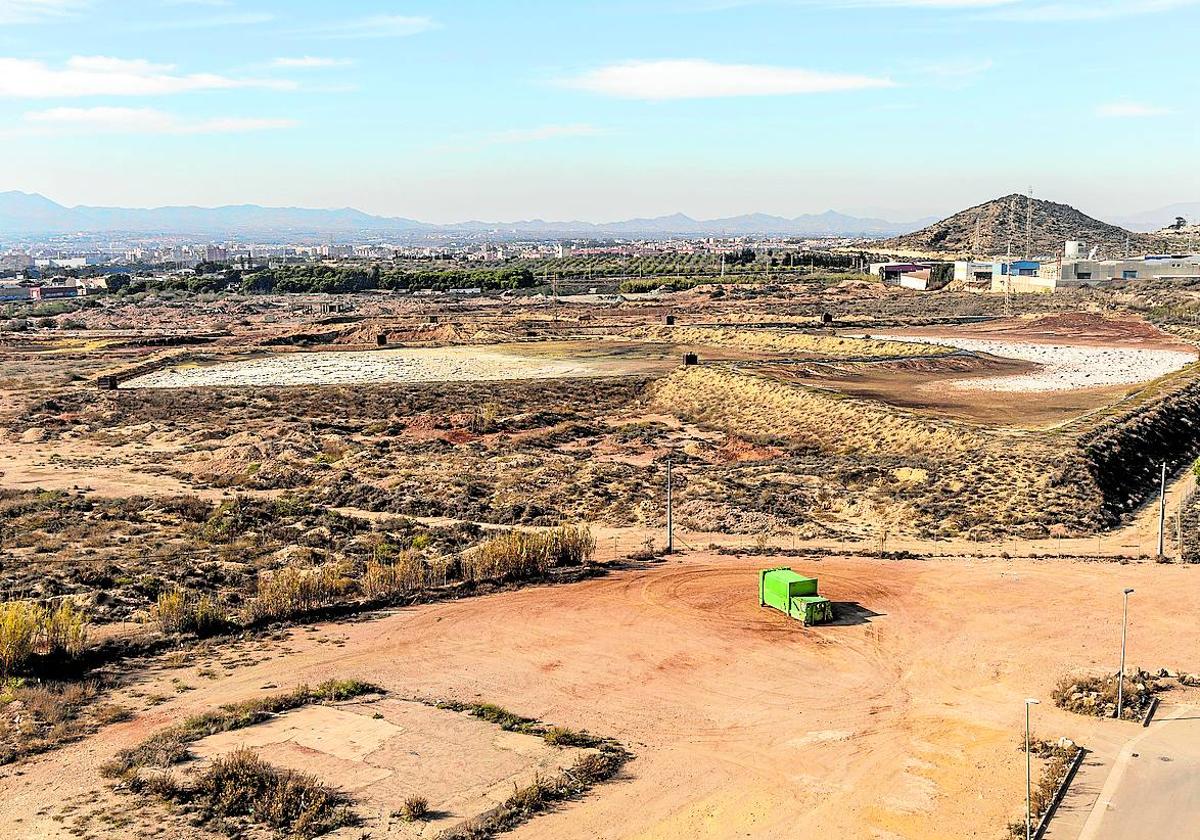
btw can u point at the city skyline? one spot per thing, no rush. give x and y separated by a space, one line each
897 109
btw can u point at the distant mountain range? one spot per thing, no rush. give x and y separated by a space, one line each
1154 220
25 214
31 215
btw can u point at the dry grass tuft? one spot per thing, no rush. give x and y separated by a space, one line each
789 342
179 611
243 785
522 555
27 629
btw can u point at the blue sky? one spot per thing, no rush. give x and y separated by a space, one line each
454 109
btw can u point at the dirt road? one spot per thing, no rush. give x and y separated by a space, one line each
901 722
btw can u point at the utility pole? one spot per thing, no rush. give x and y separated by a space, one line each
1121 676
1162 510
1028 775
1179 531
1029 226
670 510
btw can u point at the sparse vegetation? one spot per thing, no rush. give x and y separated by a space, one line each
27 629
1057 758
36 717
169 746
1096 695
523 555
179 611
414 809
541 794
243 785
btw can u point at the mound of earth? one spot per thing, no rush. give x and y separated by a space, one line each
994 226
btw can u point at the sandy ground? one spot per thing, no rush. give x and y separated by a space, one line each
382 752
442 364
900 722
533 360
1063 367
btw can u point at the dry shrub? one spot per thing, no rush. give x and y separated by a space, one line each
243 785
180 611
27 629
520 555
786 341
19 627
414 808
759 408
293 591
558 736
407 573
1058 758
1097 695
170 746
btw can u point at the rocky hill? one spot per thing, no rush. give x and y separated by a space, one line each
990 228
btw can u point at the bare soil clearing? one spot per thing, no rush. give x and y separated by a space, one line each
440 364
789 444
901 721
1064 367
386 751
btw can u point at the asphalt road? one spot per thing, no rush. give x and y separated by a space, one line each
1153 789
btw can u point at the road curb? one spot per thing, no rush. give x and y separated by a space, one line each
1059 793
1150 712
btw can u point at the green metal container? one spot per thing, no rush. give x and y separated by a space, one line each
794 595
813 610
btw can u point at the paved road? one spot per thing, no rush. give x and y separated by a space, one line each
1153 789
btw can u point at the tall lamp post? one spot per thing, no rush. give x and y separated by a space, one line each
1121 676
1028 775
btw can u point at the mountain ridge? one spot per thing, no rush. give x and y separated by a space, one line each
1018 224
33 214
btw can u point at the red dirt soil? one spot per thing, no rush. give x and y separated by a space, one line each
902 722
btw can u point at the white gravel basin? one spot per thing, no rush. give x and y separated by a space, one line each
1064 367
434 364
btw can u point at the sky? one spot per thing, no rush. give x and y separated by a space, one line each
449 110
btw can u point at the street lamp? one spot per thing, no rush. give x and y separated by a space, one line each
1121 676
1028 774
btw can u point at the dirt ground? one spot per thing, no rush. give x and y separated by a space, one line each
387 750
902 721
926 386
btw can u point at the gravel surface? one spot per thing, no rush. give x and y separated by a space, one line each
1064 367
450 364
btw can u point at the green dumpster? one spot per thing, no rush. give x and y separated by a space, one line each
794 595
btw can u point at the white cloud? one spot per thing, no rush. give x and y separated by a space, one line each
700 79
144 121
309 62
105 76
34 11
376 26
1131 110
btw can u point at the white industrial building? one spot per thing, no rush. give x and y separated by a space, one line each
1073 270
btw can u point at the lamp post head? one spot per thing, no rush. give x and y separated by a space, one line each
1031 702
1128 591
